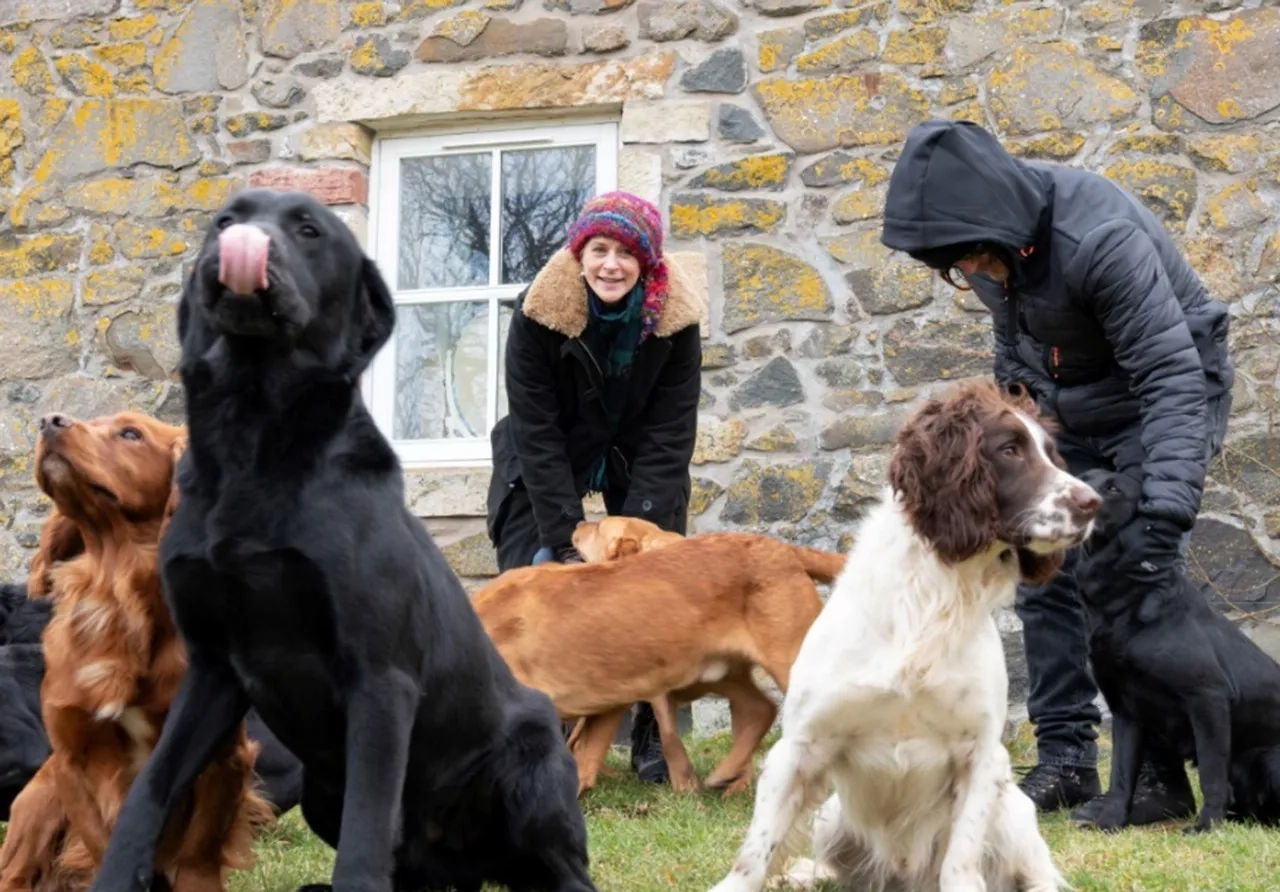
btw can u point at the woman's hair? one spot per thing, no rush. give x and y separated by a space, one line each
945 258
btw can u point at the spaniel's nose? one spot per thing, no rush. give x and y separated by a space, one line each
1085 501
54 421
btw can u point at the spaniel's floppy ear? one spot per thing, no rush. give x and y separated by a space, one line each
374 317
621 547
947 490
176 450
59 541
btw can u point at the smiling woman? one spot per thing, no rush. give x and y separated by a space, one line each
603 374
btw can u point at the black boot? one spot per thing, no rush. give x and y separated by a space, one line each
647 760
1162 792
1052 787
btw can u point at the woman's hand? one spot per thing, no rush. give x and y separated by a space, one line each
559 554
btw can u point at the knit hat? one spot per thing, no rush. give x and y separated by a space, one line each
637 224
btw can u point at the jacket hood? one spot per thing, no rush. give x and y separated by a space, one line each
557 298
955 183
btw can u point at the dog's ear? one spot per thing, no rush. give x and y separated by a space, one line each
375 316
59 541
948 492
1039 569
176 451
621 547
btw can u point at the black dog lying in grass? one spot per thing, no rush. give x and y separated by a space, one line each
1177 673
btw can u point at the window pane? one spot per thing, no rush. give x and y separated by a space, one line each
444 221
542 192
505 311
441 385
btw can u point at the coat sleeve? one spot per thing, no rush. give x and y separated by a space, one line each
537 439
1118 273
667 432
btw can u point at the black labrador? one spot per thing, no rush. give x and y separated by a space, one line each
303 586
1177 674
23 743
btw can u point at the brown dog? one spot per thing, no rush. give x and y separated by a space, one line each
666 625
113 663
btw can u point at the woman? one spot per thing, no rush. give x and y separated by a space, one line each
603 373
1097 312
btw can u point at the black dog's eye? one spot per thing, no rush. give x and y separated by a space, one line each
131 433
224 221
306 230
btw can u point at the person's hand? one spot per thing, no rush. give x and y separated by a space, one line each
1148 547
558 554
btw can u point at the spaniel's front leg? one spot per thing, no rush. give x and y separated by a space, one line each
976 799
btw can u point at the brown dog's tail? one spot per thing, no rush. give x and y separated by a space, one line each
822 566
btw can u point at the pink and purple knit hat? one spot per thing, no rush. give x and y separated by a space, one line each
638 225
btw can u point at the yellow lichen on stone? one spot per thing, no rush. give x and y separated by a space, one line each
415 9
1060 145
1236 206
958 92
764 284
842 52
1169 189
860 204
966 111
135 28
109 286
462 28
31 73
1227 152
7 43
38 299
40 254
709 217
916 46
1148 144
813 114
123 55
753 172
369 15
89 78
864 170
11 138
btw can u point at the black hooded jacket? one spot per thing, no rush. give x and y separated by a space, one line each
1102 317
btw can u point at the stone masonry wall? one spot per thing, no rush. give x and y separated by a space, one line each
766 130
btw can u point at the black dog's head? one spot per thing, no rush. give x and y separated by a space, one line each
281 269
1120 496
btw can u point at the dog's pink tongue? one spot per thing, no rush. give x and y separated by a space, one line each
242 258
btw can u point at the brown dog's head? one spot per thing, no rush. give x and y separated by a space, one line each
980 467
616 537
112 476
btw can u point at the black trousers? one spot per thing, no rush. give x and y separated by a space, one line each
1060 700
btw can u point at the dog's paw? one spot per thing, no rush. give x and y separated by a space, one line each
1207 822
1110 816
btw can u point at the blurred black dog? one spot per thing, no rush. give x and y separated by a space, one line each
1178 674
23 743
301 585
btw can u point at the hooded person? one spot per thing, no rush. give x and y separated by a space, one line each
1097 313
604 374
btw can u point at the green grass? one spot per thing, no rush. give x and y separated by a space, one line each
646 838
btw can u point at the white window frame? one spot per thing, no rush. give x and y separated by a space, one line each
383 245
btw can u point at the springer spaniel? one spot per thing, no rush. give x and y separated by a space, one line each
898 694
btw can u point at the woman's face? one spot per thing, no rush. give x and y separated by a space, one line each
609 268
983 263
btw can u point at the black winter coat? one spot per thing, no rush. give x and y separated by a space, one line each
556 429
1102 317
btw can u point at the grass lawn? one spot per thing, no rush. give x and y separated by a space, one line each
644 838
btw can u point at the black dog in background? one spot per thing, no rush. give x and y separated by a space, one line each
302 585
1176 673
23 743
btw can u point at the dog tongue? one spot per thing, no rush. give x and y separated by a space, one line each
242 258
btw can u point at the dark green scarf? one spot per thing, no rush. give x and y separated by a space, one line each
618 334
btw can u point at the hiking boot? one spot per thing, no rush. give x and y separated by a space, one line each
647 760
1160 794
1052 787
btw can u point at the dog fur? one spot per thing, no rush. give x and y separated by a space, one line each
898 694
303 586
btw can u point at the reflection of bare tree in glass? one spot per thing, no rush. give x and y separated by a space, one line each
440 361
444 221
542 192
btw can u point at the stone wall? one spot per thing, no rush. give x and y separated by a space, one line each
766 129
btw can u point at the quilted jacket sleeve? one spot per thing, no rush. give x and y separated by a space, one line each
1117 271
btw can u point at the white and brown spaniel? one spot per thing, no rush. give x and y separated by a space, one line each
892 725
